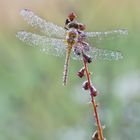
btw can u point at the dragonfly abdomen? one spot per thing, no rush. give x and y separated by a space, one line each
66 65
65 74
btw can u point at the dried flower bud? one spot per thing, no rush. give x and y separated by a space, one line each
93 91
87 58
86 85
81 72
81 26
72 16
95 136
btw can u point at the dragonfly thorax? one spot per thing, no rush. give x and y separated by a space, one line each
72 36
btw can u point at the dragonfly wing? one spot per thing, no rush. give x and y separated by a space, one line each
104 54
48 45
107 34
99 54
49 28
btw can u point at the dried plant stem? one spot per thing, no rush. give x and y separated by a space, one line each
100 133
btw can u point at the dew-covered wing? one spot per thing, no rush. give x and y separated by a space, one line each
104 54
49 28
100 54
51 46
107 34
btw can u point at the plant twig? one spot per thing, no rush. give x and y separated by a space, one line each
100 133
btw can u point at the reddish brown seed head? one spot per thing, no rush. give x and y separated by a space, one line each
93 91
95 136
86 85
81 72
72 16
87 58
81 26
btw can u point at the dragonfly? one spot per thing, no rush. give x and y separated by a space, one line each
68 41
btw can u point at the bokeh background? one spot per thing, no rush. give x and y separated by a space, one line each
33 103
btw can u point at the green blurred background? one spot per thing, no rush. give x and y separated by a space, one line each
33 103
